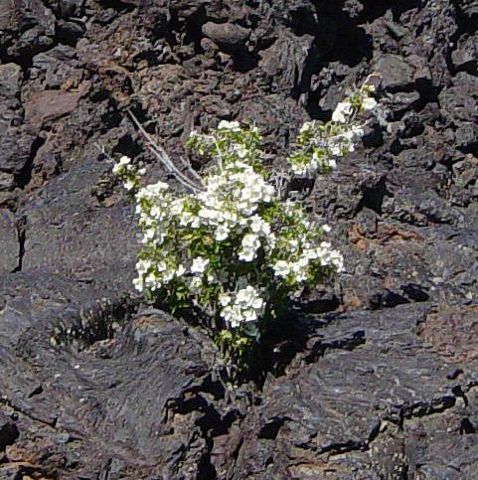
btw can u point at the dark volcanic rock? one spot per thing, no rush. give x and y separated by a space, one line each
466 54
395 72
357 380
15 147
225 34
459 101
95 368
379 383
68 231
15 142
10 80
27 27
9 242
8 432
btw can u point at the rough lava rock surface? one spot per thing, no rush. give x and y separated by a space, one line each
378 380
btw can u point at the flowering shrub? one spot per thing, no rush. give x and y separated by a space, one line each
320 144
230 246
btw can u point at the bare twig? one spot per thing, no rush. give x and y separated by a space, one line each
168 164
164 158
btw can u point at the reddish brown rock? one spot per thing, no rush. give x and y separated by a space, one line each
452 332
225 34
47 106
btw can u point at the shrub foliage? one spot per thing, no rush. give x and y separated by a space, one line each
230 246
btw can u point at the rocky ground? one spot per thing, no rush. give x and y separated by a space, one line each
378 380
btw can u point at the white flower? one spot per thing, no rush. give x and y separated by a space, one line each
148 235
195 223
185 219
369 103
129 184
306 127
300 170
211 278
342 112
241 151
156 189
281 268
138 283
195 285
207 214
188 219
311 254
152 281
225 125
161 266
180 271
199 265
122 166
358 131
124 160
176 207
232 316
250 244
221 233
152 192
225 299
331 163
259 226
233 206
168 275
337 260
142 266
336 150
247 306
118 169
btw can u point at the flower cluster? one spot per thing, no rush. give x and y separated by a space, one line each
245 305
233 246
230 246
128 173
320 144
